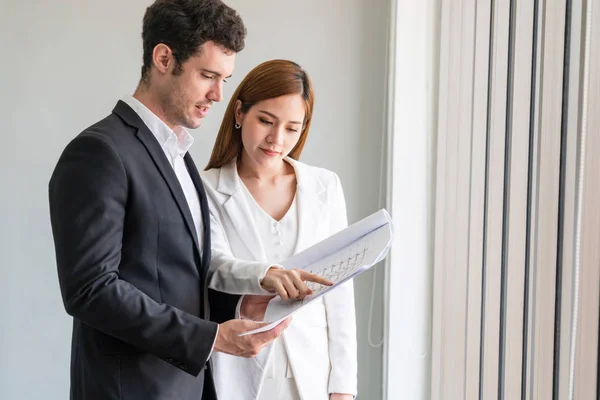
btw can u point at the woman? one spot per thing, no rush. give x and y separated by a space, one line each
267 206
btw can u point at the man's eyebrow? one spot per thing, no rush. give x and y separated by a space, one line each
214 73
275 116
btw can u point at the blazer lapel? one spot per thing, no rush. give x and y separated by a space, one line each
161 162
206 250
206 254
310 206
237 211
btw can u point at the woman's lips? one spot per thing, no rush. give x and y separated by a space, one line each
270 153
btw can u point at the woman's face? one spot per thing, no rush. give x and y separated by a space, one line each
271 129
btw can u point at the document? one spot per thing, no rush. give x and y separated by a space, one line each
339 258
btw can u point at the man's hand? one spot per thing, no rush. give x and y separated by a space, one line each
289 283
229 341
340 396
254 307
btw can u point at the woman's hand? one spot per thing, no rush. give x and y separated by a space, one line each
340 396
289 284
254 307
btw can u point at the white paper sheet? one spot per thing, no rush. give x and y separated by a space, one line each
338 258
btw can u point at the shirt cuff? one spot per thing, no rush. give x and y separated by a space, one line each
213 345
238 312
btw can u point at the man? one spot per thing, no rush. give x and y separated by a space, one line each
131 223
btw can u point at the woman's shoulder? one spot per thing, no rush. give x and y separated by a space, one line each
220 181
319 175
211 176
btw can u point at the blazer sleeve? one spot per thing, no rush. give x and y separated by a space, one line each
88 200
341 319
228 274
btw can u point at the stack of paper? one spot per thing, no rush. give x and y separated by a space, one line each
338 258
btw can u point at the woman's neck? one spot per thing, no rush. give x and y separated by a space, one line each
249 169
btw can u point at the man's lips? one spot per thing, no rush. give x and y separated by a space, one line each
203 110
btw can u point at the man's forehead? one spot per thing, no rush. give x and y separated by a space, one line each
216 59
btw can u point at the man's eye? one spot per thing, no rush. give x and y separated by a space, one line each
208 76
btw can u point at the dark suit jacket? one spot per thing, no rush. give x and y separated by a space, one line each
131 270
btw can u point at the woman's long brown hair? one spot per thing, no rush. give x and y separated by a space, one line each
268 80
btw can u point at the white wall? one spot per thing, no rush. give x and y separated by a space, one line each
412 198
66 62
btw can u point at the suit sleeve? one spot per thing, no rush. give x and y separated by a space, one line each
88 199
341 319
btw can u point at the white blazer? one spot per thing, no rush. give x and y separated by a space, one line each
321 340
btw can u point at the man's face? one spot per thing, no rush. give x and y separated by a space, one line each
186 97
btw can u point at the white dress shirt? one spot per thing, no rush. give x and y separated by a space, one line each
278 238
175 144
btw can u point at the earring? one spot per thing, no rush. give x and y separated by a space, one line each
237 126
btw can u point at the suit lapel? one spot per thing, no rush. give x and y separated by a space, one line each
310 206
238 212
162 163
206 253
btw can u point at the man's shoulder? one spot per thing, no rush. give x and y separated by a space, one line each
109 137
112 127
111 131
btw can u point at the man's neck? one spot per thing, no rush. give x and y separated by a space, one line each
149 100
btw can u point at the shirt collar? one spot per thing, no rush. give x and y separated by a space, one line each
173 142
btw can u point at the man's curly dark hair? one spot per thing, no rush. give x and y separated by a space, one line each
185 25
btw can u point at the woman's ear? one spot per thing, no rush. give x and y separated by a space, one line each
239 116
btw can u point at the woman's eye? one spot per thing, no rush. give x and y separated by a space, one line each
292 130
264 121
208 76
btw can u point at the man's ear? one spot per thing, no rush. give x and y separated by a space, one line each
162 58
